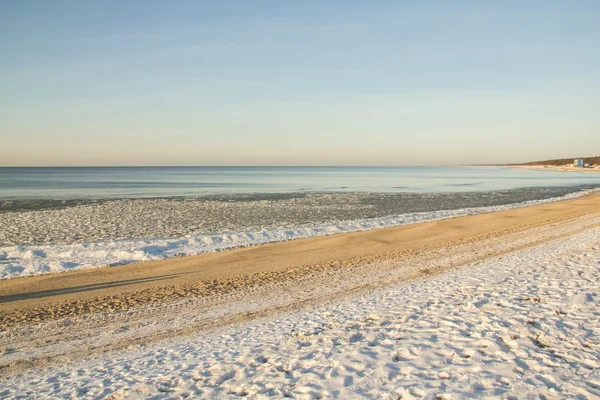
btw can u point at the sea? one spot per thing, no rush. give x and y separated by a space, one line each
62 219
72 183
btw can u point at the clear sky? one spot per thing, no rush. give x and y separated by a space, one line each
280 82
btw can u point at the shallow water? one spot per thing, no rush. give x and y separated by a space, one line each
69 183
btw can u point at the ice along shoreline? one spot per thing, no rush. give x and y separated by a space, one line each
21 261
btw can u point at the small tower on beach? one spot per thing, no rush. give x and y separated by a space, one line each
578 162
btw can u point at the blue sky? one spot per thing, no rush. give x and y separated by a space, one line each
297 83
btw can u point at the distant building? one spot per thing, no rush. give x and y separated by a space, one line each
578 162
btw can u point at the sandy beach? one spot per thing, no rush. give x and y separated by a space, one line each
51 321
306 200
192 275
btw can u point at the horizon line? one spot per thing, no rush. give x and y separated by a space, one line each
243 166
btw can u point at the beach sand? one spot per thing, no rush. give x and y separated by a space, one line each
322 317
74 314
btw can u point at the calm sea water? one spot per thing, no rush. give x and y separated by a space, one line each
147 182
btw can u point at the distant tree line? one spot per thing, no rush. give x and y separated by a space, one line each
565 161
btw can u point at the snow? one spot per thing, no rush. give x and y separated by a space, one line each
18 261
522 325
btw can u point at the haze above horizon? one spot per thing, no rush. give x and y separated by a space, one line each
297 83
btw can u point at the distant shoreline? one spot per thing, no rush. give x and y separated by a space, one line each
557 168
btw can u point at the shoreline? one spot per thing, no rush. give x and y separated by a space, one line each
552 168
51 319
342 245
52 258
190 276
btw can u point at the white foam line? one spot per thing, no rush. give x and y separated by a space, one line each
19 261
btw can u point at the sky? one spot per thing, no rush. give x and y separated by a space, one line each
328 82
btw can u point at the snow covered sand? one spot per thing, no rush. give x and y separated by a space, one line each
111 221
523 325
